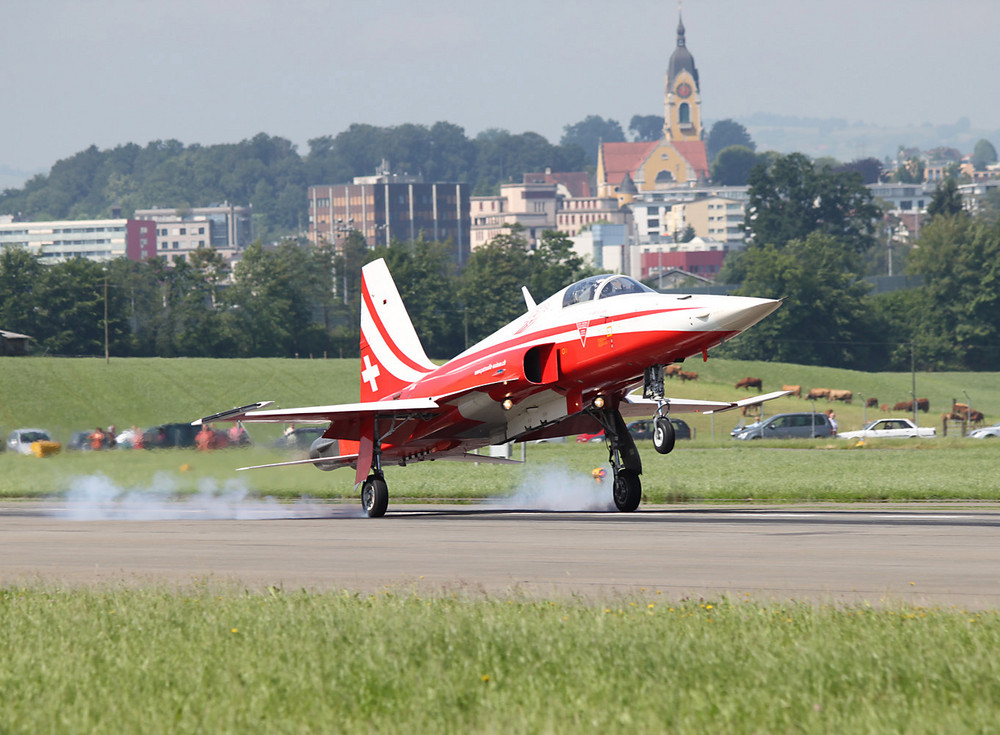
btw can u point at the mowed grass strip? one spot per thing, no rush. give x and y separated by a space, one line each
205 659
835 470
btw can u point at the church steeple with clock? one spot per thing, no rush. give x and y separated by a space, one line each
682 110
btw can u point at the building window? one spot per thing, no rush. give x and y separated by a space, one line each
684 113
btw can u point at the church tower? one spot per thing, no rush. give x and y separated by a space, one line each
682 110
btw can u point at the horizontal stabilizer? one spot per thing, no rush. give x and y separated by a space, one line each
233 414
754 401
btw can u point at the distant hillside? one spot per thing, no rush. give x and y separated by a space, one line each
848 141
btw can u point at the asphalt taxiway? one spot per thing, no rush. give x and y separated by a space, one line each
929 555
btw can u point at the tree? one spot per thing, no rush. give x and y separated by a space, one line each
792 199
869 168
822 320
959 259
947 200
590 132
646 127
554 265
726 133
733 165
19 275
983 154
490 289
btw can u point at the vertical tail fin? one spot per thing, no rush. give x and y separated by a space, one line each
391 354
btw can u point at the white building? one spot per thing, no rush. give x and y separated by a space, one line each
99 240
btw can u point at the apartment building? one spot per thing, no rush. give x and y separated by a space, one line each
99 240
226 227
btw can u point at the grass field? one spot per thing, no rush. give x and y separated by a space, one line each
205 660
67 394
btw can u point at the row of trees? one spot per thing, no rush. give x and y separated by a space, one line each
813 234
291 300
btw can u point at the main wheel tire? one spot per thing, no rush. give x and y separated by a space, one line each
375 496
664 435
627 490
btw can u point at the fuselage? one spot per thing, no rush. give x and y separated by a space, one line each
592 338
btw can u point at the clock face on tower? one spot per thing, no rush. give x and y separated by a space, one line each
684 90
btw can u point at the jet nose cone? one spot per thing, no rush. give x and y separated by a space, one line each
741 312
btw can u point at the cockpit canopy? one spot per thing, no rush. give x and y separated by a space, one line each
601 287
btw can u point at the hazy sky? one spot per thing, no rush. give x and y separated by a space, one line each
108 72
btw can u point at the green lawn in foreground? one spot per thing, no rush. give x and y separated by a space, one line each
203 660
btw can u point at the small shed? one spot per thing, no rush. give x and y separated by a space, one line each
12 343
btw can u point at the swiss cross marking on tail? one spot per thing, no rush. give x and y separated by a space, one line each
370 373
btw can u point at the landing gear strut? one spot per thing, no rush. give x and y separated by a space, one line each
374 490
663 430
624 458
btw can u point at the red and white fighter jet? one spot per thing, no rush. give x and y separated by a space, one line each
564 367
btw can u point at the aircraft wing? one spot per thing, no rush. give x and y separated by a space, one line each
636 406
345 419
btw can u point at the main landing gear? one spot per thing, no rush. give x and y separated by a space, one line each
375 495
624 458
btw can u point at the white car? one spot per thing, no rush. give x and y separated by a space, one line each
890 428
20 440
987 432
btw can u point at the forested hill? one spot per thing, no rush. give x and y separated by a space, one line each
269 172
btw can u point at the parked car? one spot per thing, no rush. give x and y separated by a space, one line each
300 439
890 429
642 429
987 432
170 435
20 440
787 426
79 441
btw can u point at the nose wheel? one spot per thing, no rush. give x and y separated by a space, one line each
664 435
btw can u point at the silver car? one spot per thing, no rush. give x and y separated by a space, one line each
20 440
987 432
787 426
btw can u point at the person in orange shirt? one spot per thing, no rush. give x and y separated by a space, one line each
97 438
205 439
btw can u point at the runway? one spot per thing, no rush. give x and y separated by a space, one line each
946 555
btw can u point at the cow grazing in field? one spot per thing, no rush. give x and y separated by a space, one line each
815 393
749 383
884 408
672 370
840 395
871 403
795 390
976 418
922 405
685 375
959 408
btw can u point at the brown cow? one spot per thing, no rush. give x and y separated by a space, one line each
688 376
884 408
815 393
840 395
749 383
795 390
922 405
871 403
672 370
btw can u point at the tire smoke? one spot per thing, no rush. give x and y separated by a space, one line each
97 498
559 489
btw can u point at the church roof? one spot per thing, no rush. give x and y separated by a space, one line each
694 153
623 158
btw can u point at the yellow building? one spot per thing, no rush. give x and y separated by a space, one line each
679 158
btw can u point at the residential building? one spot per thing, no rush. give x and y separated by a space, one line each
226 227
100 240
391 207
